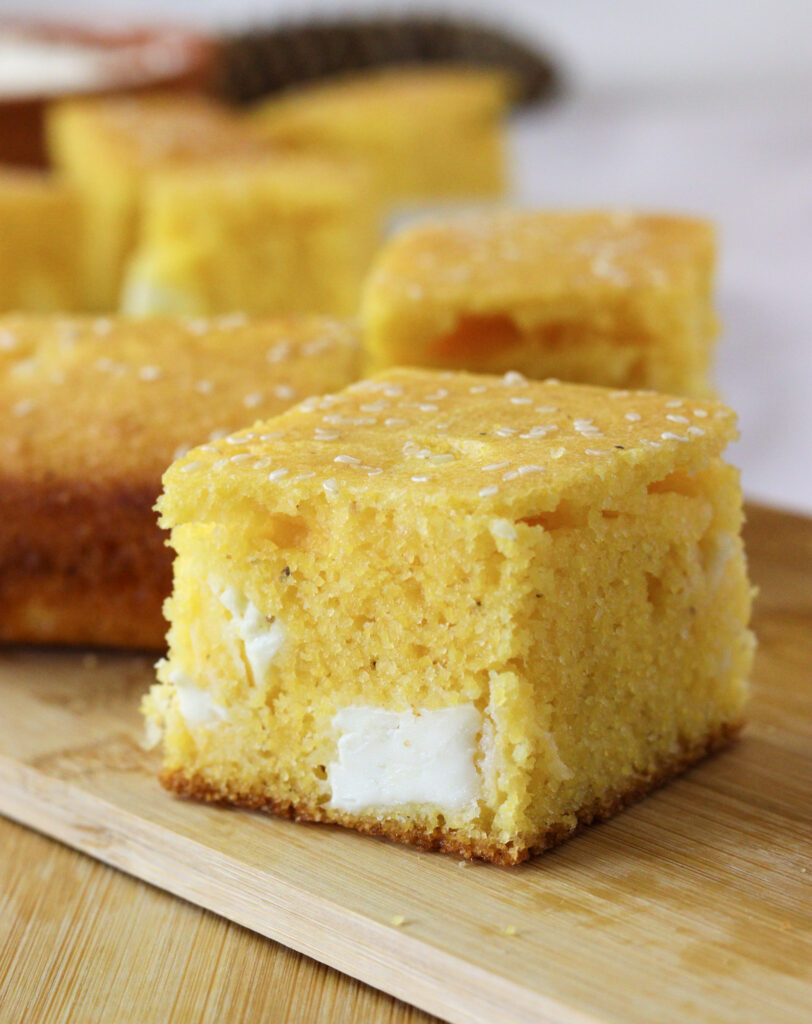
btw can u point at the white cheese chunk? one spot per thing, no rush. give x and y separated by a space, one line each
386 759
262 639
196 706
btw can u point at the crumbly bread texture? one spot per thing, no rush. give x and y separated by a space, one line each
467 612
40 238
94 412
273 236
610 298
109 147
430 133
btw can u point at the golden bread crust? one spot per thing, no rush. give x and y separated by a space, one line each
82 563
602 808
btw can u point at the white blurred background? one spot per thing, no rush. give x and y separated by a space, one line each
680 104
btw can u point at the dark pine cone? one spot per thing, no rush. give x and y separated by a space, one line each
253 64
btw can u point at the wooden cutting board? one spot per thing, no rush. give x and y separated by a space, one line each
692 906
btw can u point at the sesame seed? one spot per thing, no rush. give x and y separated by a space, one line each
539 431
619 394
514 379
437 396
678 419
374 406
372 470
149 372
487 492
546 408
305 476
393 391
198 326
394 421
524 470
428 407
272 436
190 466
441 457
252 400
277 474
495 465
219 464
278 352
504 431
510 475
633 417
205 387
675 403
478 389
180 451
557 453
503 529
284 391
701 413
236 439
696 431
421 478
668 436
312 348
521 400
231 320
262 463
348 460
325 435
241 457
330 486
594 451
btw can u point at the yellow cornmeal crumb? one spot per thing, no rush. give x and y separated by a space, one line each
108 148
403 564
397 920
286 234
610 298
509 929
428 133
40 239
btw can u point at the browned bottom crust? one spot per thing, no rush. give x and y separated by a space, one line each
82 563
447 841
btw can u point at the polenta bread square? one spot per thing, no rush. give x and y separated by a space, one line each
108 148
429 133
271 236
466 612
610 298
40 242
93 412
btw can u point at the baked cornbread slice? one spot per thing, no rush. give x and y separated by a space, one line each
109 147
40 237
466 612
430 133
609 298
93 412
284 234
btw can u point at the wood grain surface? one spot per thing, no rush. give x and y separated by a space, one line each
692 906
